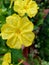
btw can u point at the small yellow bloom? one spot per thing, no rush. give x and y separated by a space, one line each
7 57
29 7
5 63
18 31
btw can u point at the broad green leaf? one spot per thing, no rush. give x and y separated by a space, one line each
16 55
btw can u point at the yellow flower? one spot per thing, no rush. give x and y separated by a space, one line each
5 63
18 31
29 7
6 59
11 64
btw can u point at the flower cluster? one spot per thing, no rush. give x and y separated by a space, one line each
18 30
26 6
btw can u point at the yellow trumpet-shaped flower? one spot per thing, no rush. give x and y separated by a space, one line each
29 7
18 31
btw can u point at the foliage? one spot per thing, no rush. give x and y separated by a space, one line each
16 55
43 39
44 62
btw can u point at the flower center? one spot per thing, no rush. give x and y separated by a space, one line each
18 31
25 7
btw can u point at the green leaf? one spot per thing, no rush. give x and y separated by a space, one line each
2 42
2 20
16 55
6 3
1 59
36 62
3 50
44 62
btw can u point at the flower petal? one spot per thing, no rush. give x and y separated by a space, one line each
21 12
32 9
14 42
18 44
19 7
13 20
5 63
28 38
26 2
7 57
26 25
7 31
32 12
